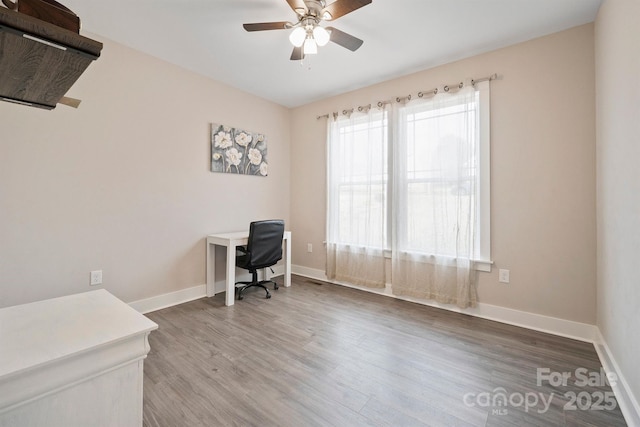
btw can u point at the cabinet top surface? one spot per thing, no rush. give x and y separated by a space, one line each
37 333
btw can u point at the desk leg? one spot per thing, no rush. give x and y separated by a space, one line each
231 275
211 271
287 263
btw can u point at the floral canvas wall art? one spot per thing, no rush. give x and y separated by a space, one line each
238 151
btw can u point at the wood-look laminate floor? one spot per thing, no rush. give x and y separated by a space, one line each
325 355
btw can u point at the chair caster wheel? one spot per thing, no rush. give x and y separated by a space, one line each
276 287
240 297
268 296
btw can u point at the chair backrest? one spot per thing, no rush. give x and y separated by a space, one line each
265 243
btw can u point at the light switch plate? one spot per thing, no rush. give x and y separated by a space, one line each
503 276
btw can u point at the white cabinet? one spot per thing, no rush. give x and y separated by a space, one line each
72 361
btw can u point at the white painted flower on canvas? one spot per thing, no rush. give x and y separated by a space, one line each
222 140
243 139
255 157
238 151
233 156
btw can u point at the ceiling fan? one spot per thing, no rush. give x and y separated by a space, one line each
307 33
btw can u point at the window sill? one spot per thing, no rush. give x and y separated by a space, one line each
481 265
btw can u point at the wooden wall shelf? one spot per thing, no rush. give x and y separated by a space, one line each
39 61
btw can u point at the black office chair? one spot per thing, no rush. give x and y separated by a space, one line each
263 250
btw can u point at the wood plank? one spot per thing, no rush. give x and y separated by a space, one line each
34 72
326 355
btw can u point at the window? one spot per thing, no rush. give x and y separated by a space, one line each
359 181
414 179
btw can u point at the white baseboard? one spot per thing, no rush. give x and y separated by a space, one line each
170 299
243 275
626 400
278 270
552 325
538 322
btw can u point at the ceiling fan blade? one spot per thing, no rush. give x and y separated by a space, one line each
345 40
341 7
298 6
261 26
297 54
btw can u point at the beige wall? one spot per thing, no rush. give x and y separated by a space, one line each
618 182
543 170
123 183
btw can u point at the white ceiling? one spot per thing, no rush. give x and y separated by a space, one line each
400 37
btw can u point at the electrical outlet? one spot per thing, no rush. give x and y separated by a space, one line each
309 247
503 276
96 277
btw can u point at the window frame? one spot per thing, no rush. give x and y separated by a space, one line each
483 261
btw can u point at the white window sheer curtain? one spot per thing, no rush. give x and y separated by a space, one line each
357 202
411 183
434 198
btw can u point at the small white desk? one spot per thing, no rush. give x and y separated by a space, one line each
230 241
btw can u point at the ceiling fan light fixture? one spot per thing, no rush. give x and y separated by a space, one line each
321 36
298 36
308 31
310 46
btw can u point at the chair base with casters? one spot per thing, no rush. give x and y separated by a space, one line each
254 283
